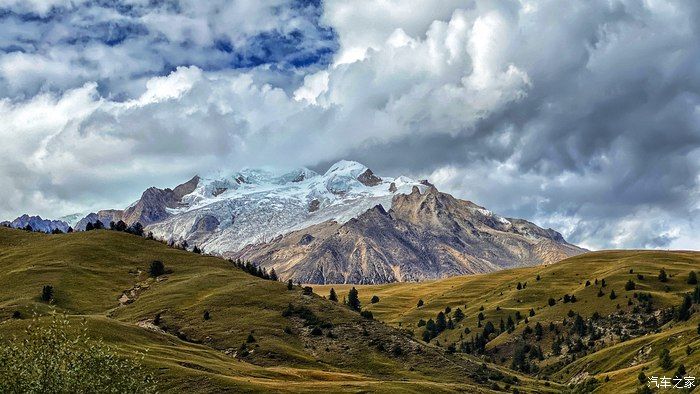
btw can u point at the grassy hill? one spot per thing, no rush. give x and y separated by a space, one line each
100 282
629 342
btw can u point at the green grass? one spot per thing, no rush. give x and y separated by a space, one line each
91 270
398 306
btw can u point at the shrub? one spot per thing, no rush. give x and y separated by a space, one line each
551 301
374 299
206 315
692 278
47 293
290 285
663 277
367 315
629 285
156 269
420 303
51 360
308 290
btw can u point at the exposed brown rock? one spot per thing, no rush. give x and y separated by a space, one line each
368 178
424 236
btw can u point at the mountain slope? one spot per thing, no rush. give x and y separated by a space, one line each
632 330
99 278
423 236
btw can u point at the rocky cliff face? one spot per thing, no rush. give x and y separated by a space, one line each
152 207
423 236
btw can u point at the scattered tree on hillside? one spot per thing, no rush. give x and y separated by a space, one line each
551 301
354 300
89 227
196 250
420 303
612 294
519 286
629 285
692 278
600 293
680 372
374 299
47 293
332 296
538 277
156 269
663 277
290 285
206 315
665 361
458 315
684 311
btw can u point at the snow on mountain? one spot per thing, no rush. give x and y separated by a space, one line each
37 223
226 213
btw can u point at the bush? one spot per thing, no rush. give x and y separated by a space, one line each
367 315
50 360
420 303
47 293
692 278
663 277
630 285
374 299
156 269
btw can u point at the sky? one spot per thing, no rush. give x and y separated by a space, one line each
580 116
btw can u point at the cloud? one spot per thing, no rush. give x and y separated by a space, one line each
582 118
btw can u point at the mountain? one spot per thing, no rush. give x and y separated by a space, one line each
345 225
423 236
206 326
37 224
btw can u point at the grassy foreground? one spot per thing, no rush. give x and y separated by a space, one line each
247 343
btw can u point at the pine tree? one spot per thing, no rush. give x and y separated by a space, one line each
458 315
156 269
629 285
47 293
273 275
663 277
665 361
692 278
551 301
420 303
89 227
538 331
332 296
290 285
440 322
354 300
612 294
196 250
683 313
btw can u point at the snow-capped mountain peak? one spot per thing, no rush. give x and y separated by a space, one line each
225 213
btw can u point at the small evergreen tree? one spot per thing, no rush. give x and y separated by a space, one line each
354 300
458 315
551 301
692 278
420 303
642 377
156 269
290 285
206 315
683 312
47 293
629 285
663 277
612 294
665 361
89 227
374 299
332 296
196 250
273 275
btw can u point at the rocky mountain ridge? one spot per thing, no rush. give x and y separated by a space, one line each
424 236
346 225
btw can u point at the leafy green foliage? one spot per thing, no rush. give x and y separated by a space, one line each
49 360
